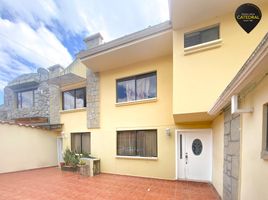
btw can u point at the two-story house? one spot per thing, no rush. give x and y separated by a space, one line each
150 101
185 99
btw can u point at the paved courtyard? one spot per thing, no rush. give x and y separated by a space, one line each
53 184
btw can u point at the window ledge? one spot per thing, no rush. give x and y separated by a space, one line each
136 102
137 157
264 155
73 110
202 47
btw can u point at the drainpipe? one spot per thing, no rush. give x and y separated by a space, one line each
235 109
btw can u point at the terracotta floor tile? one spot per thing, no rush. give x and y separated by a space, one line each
52 183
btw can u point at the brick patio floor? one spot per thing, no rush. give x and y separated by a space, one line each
53 184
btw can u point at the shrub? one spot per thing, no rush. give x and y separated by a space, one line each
70 158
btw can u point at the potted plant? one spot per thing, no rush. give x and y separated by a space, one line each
71 160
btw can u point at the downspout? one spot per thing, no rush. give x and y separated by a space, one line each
235 109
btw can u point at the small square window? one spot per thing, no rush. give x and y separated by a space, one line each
201 36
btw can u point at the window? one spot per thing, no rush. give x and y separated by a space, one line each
25 99
264 153
80 142
141 143
136 88
201 36
73 99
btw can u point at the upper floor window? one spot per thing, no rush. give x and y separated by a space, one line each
25 99
73 99
201 36
136 88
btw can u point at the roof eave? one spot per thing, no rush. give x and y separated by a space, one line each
246 74
148 32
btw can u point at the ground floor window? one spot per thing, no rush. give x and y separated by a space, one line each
141 143
80 142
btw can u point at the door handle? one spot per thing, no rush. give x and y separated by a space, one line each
186 158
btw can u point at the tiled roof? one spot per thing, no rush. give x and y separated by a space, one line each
20 124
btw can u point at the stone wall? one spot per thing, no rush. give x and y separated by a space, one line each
55 104
41 103
231 155
93 99
10 110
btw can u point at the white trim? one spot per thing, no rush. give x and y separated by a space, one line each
250 70
137 157
136 102
203 46
73 110
176 154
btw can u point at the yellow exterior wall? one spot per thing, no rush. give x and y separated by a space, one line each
254 170
155 115
25 148
199 78
218 152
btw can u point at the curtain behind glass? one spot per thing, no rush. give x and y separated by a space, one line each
126 90
85 143
80 97
68 100
76 142
146 86
147 143
126 143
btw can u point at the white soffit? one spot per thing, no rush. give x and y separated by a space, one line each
190 12
144 49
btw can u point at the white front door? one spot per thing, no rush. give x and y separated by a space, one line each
60 149
194 155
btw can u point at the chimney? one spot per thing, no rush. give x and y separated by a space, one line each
93 40
55 71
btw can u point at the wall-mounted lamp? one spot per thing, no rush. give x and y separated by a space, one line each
168 132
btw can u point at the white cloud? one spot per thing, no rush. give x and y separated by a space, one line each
24 33
40 47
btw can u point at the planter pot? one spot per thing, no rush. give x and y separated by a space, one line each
68 168
84 170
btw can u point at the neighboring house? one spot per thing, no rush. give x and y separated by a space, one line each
35 98
157 103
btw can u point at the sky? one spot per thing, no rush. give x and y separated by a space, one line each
42 33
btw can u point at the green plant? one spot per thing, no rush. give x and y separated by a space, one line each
70 158
81 162
85 155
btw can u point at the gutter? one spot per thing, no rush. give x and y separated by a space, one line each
242 78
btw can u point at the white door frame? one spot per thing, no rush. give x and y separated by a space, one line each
177 131
59 138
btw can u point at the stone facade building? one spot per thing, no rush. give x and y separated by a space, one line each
27 98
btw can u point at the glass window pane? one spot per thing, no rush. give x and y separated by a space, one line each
147 143
146 86
126 90
85 142
76 142
199 37
27 99
126 143
80 98
210 35
68 100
